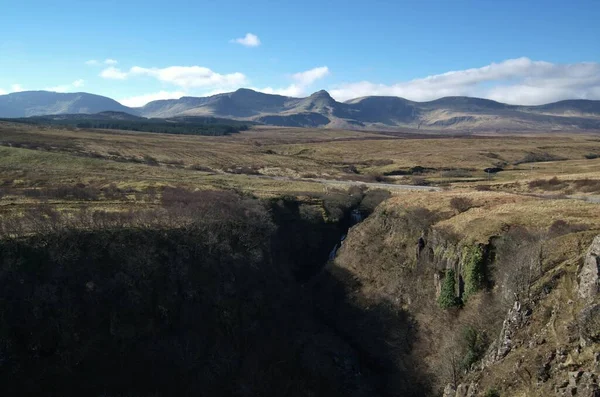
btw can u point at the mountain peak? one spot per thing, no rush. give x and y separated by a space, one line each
244 90
321 94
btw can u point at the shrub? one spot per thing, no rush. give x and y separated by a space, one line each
473 270
372 199
492 392
350 169
178 163
547 184
483 188
461 204
112 192
447 298
561 227
457 173
475 344
244 170
200 167
588 185
539 157
150 160
419 181
337 204
592 156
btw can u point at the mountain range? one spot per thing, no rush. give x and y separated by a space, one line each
321 110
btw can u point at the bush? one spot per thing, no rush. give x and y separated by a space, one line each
372 199
461 204
539 157
475 344
245 170
547 184
483 188
112 192
150 160
592 156
447 298
419 181
457 173
588 185
337 204
473 269
561 227
492 392
199 167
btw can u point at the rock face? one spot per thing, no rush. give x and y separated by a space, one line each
589 281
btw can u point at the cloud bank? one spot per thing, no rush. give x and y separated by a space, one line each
515 81
141 100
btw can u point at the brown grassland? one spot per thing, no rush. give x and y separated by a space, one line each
118 170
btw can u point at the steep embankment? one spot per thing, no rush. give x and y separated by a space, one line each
213 307
491 284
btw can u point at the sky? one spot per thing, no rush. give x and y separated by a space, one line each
520 52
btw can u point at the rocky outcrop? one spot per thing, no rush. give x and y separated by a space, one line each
463 390
589 325
516 318
589 280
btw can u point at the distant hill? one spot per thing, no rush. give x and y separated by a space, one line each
321 110
383 113
37 103
185 125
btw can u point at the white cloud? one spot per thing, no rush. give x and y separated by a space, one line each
13 88
303 81
517 81
67 87
141 100
292 90
191 76
310 76
107 61
249 40
113 74
182 76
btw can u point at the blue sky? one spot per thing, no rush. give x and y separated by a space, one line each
514 51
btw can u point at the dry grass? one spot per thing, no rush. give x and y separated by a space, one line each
492 212
38 157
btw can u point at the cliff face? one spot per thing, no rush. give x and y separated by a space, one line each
499 302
